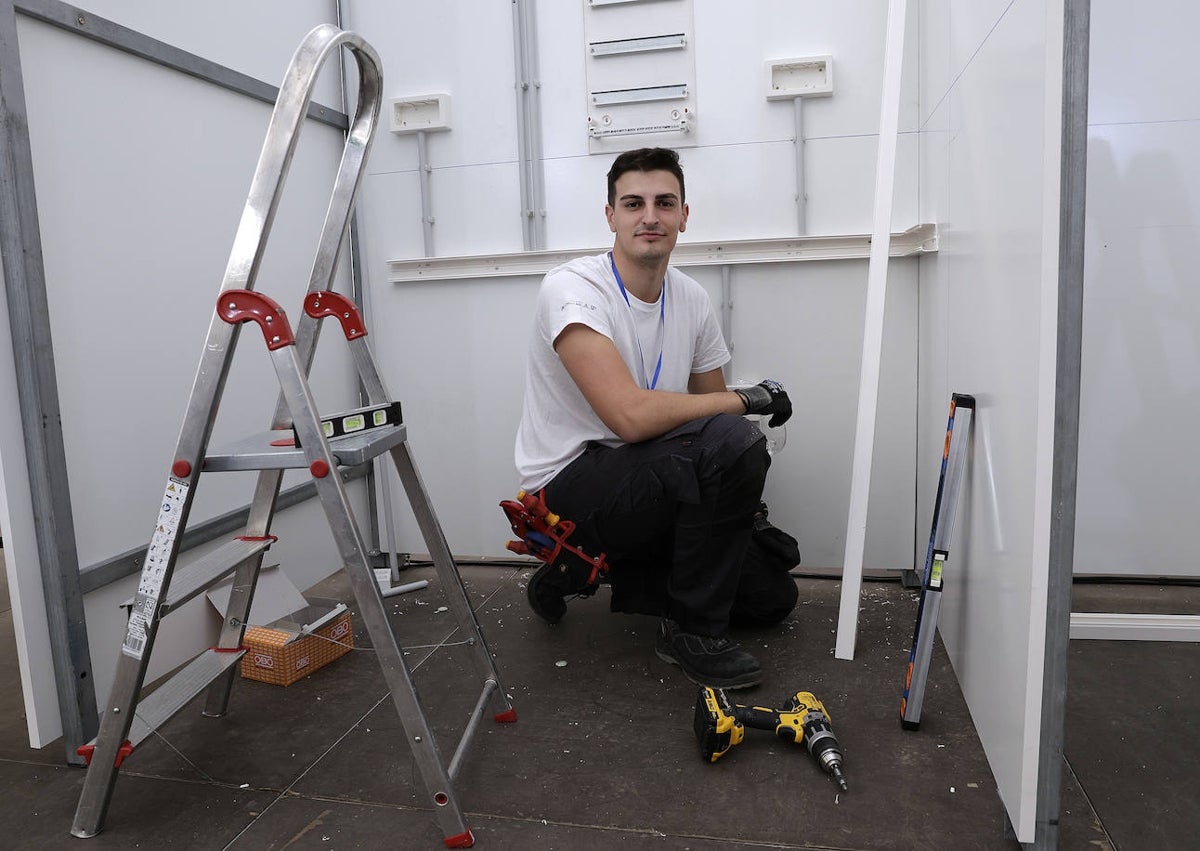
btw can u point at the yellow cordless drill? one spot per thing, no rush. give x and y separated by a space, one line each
720 724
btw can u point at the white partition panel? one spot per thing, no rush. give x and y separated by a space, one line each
991 123
141 174
798 322
1140 392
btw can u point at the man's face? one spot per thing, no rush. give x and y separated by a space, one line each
647 216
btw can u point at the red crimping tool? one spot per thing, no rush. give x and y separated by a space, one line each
544 534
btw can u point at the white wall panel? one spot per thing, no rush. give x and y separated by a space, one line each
799 322
466 49
1140 391
561 57
138 199
1139 64
802 324
986 147
454 353
735 40
462 48
255 38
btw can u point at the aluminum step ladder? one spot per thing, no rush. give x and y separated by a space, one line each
297 439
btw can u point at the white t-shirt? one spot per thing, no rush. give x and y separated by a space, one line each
558 422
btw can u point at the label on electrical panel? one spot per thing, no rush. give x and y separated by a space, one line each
154 570
935 570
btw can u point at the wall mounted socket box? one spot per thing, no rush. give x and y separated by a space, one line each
810 76
420 112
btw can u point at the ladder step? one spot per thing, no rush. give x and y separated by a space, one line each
275 450
205 571
154 711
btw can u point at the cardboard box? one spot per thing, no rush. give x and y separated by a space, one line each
293 647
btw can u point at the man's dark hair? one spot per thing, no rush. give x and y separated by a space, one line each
644 159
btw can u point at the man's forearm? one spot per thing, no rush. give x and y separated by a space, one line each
655 412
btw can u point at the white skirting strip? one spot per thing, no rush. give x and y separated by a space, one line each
1135 627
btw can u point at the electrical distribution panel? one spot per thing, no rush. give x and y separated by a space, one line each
641 74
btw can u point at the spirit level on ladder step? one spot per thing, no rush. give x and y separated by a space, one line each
322 445
954 456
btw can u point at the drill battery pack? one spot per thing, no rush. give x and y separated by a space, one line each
715 724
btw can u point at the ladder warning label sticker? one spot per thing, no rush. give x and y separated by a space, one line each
135 635
154 570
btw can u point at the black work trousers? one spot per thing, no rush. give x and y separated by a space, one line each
673 514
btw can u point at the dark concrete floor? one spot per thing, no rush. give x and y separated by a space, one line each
603 752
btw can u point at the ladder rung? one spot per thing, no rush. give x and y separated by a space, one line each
257 453
189 580
489 686
155 709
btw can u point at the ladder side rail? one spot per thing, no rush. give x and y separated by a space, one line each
319 305
340 514
116 718
283 133
274 161
347 183
447 570
359 139
116 715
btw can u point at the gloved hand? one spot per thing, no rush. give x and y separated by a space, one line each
767 397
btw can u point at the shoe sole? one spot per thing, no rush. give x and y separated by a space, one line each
731 683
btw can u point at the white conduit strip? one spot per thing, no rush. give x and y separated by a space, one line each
868 391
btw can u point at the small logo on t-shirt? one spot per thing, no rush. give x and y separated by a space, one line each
582 304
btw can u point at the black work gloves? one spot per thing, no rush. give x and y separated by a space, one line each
767 397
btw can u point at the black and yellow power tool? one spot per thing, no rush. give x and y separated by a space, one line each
720 724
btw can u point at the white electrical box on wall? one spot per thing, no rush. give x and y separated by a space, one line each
420 112
641 74
810 76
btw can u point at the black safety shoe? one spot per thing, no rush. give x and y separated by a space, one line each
549 587
714 662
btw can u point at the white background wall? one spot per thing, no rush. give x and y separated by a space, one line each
141 175
1140 398
455 351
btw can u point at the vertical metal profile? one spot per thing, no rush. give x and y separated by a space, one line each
1072 206
375 472
37 392
423 170
801 192
529 125
727 317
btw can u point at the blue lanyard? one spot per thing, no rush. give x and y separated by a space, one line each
662 325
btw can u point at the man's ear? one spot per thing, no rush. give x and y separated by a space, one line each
608 214
683 221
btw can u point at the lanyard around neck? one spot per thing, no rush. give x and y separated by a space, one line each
662 325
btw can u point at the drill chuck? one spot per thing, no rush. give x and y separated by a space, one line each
823 745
